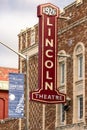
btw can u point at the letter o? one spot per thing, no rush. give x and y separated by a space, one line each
49 64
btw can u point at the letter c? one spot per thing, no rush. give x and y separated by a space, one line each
48 54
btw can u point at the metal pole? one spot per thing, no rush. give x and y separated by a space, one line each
27 93
18 53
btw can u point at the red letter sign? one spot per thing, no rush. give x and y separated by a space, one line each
47 92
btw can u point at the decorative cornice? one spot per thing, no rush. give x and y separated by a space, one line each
74 24
31 50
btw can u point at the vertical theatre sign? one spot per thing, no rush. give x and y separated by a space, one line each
47 77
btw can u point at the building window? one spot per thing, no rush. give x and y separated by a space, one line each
62 73
23 40
80 107
62 118
78 62
80 67
28 38
60 113
79 83
32 36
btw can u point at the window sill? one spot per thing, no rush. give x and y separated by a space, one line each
61 85
80 121
62 124
79 81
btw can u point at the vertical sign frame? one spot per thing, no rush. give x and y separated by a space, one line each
47 74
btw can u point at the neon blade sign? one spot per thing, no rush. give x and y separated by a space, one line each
47 77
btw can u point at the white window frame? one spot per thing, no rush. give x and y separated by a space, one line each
62 73
61 87
62 114
79 98
78 81
80 67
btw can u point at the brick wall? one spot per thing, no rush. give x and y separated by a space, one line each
8 124
70 33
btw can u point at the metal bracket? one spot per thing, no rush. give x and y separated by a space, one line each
65 18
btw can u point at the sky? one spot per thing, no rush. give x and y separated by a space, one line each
16 15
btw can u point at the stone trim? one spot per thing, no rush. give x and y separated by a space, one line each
77 83
74 24
76 126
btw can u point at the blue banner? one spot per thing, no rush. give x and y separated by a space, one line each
16 95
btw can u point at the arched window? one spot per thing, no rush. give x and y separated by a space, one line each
78 61
78 83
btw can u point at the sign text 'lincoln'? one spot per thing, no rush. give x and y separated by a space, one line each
47 77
